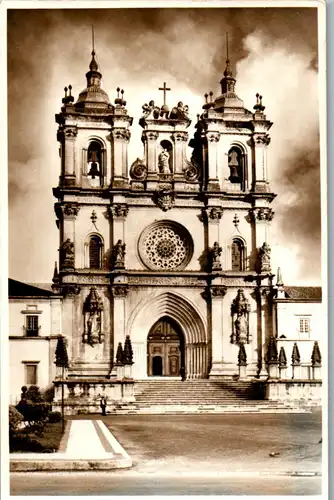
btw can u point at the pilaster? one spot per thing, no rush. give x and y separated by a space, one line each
213 138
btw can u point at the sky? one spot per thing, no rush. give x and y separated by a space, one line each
273 51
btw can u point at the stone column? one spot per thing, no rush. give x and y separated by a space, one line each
149 139
214 215
261 142
117 213
180 142
68 159
262 217
67 214
119 292
261 337
217 294
213 139
121 137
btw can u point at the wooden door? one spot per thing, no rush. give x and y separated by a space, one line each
164 350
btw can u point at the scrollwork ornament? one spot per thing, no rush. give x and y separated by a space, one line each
70 290
119 210
121 134
215 214
70 133
138 170
191 171
120 291
70 210
218 291
213 137
262 140
180 136
164 199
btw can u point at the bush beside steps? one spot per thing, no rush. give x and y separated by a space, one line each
33 427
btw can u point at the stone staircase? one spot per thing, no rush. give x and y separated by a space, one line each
200 396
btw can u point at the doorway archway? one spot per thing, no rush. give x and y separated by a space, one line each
165 349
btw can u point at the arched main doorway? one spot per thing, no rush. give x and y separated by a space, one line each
165 349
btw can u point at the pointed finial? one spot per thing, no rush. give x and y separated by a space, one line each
279 277
93 44
227 59
55 278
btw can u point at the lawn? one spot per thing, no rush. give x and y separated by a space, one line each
27 442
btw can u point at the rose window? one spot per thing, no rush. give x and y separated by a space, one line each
165 246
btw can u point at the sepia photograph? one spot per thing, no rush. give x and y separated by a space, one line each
167 301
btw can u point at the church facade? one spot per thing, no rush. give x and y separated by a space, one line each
172 252
169 254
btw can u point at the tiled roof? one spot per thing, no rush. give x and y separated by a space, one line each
303 292
20 289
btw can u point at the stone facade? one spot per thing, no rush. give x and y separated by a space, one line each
169 252
174 238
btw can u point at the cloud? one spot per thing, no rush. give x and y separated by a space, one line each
138 49
288 83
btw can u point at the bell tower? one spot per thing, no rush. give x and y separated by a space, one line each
94 136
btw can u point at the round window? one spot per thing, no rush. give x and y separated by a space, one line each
165 245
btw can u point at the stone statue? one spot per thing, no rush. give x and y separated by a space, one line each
148 109
264 256
164 162
119 255
216 253
241 328
93 307
93 327
67 253
183 110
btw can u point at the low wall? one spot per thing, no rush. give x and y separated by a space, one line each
84 395
294 391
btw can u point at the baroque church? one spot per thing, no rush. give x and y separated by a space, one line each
164 265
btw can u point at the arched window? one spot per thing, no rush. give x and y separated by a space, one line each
94 160
95 252
237 166
238 255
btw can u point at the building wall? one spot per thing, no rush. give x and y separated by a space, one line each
38 350
287 325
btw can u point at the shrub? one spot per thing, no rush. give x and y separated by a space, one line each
48 394
54 416
33 408
15 418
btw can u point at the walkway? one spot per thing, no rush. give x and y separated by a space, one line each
86 445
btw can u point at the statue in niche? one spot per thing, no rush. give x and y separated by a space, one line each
240 319
67 253
264 255
94 327
241 328
164 167
93 308
216 253
119 255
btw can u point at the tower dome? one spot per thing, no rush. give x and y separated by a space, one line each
93 97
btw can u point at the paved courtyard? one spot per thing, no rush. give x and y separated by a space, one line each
209 444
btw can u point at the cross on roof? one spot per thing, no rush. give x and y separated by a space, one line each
164 89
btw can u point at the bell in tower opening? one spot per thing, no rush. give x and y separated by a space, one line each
94 162
235 165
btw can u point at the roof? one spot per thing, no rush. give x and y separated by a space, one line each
20 289
303 292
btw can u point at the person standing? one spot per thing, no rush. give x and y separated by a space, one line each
103 404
